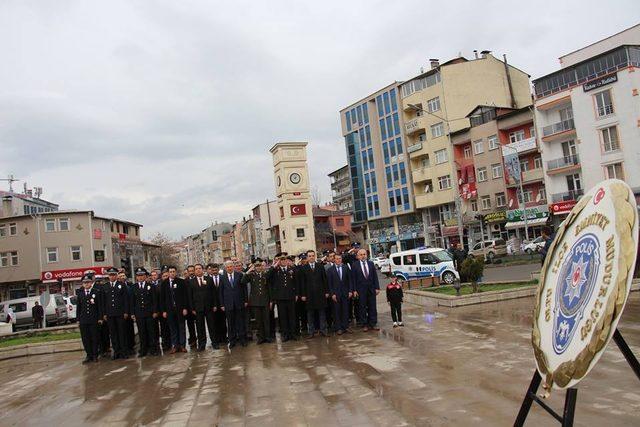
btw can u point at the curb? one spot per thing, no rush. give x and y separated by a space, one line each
62 346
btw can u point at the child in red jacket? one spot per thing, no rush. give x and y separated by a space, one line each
394 298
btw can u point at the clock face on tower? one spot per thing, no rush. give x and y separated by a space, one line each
294 178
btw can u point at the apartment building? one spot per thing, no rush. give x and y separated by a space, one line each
435 104
332 228
588 117
14 204
265 218
341 189
51 251
378 165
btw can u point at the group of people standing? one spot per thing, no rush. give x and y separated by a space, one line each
307 296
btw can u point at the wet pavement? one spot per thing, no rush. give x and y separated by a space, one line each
462 366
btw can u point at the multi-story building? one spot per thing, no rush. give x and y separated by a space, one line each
587 118
379 171
436 103
51 251
332 227
489 187
265 217
14 204
341 189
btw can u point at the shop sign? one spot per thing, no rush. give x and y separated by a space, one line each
499 216
71 273
534 212
562 208
602 81
451 222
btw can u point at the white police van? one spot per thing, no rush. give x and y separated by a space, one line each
424 262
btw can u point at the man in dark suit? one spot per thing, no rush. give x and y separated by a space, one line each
115 312
259 299
162 329
284 292
104 342
219 321
314 291
341 290
130 335
191 319
144 310
366 286
203 301
233 301
174 300
89 316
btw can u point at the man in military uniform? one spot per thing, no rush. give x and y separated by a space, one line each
219 319
174 300
89 312
285 294
259 299
144 310
116 311
203 300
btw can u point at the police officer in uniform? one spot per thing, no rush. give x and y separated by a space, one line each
116 311
259 299
144 310
130 335
89 312
104 343
285 294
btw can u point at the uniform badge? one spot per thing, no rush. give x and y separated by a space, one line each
119 286
175 286
93 295
148 287
92 301
584 284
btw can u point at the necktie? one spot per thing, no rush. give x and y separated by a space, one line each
231 279
215 280
140 284
86 293
365 269
340 273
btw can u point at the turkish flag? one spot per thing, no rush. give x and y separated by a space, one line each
300 209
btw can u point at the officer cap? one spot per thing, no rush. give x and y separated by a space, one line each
89 276
112 270
141 271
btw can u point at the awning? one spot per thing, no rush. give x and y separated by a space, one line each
520 224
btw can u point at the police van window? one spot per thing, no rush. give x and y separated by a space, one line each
409 260
477 246
73 300
396 260
19 307
59 300
427 259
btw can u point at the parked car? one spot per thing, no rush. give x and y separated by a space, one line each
71 303
378 261
54 305
534 246
489 249
385 267
424 262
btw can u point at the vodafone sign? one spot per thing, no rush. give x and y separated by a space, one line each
70 274
297 210
562 207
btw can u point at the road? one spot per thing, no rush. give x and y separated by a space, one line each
511 272
462 366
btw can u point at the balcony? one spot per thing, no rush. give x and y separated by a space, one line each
412 148
563 164
528 177
567 196
605 110
414 125
557 129
464 162
422 174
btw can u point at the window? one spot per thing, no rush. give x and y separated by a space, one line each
482 174
300 232
537 162
3 230
425 161
610 139
501 200
433 104
339 222
524 165
63 224
125 229
426 259
98 256
614 171
52 254
532 132
543 193
516 136
8 259
441 156
474 205
409 260
496 170
604 105
49 225
528 196
437 130
493 142
486 202
478 147
18 307
574 182
446 212
428 187
467 151
13 229
76 253
566 114
444 182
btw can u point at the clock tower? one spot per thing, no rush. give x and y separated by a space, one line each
291 176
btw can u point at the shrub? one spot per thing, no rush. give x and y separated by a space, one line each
472 269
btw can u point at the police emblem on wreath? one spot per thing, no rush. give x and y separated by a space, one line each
584 284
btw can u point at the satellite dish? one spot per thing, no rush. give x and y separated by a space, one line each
45 298
510 202
538 197
460 181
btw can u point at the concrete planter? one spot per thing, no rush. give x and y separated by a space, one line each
34 349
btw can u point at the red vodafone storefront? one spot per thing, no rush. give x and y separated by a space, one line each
560 210
66 281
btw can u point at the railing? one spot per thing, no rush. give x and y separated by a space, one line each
563 162
567 196
562 126
413 126
412 148
605 110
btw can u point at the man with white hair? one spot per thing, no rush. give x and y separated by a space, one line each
233 301
365 281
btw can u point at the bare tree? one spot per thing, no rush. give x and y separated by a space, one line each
167 252
316 196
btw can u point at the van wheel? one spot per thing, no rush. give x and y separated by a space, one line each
448 277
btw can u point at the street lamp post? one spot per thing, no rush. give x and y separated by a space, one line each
522 204
457 201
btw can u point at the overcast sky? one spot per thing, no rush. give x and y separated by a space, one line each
163 112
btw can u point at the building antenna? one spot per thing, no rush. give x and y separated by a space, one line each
11 180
